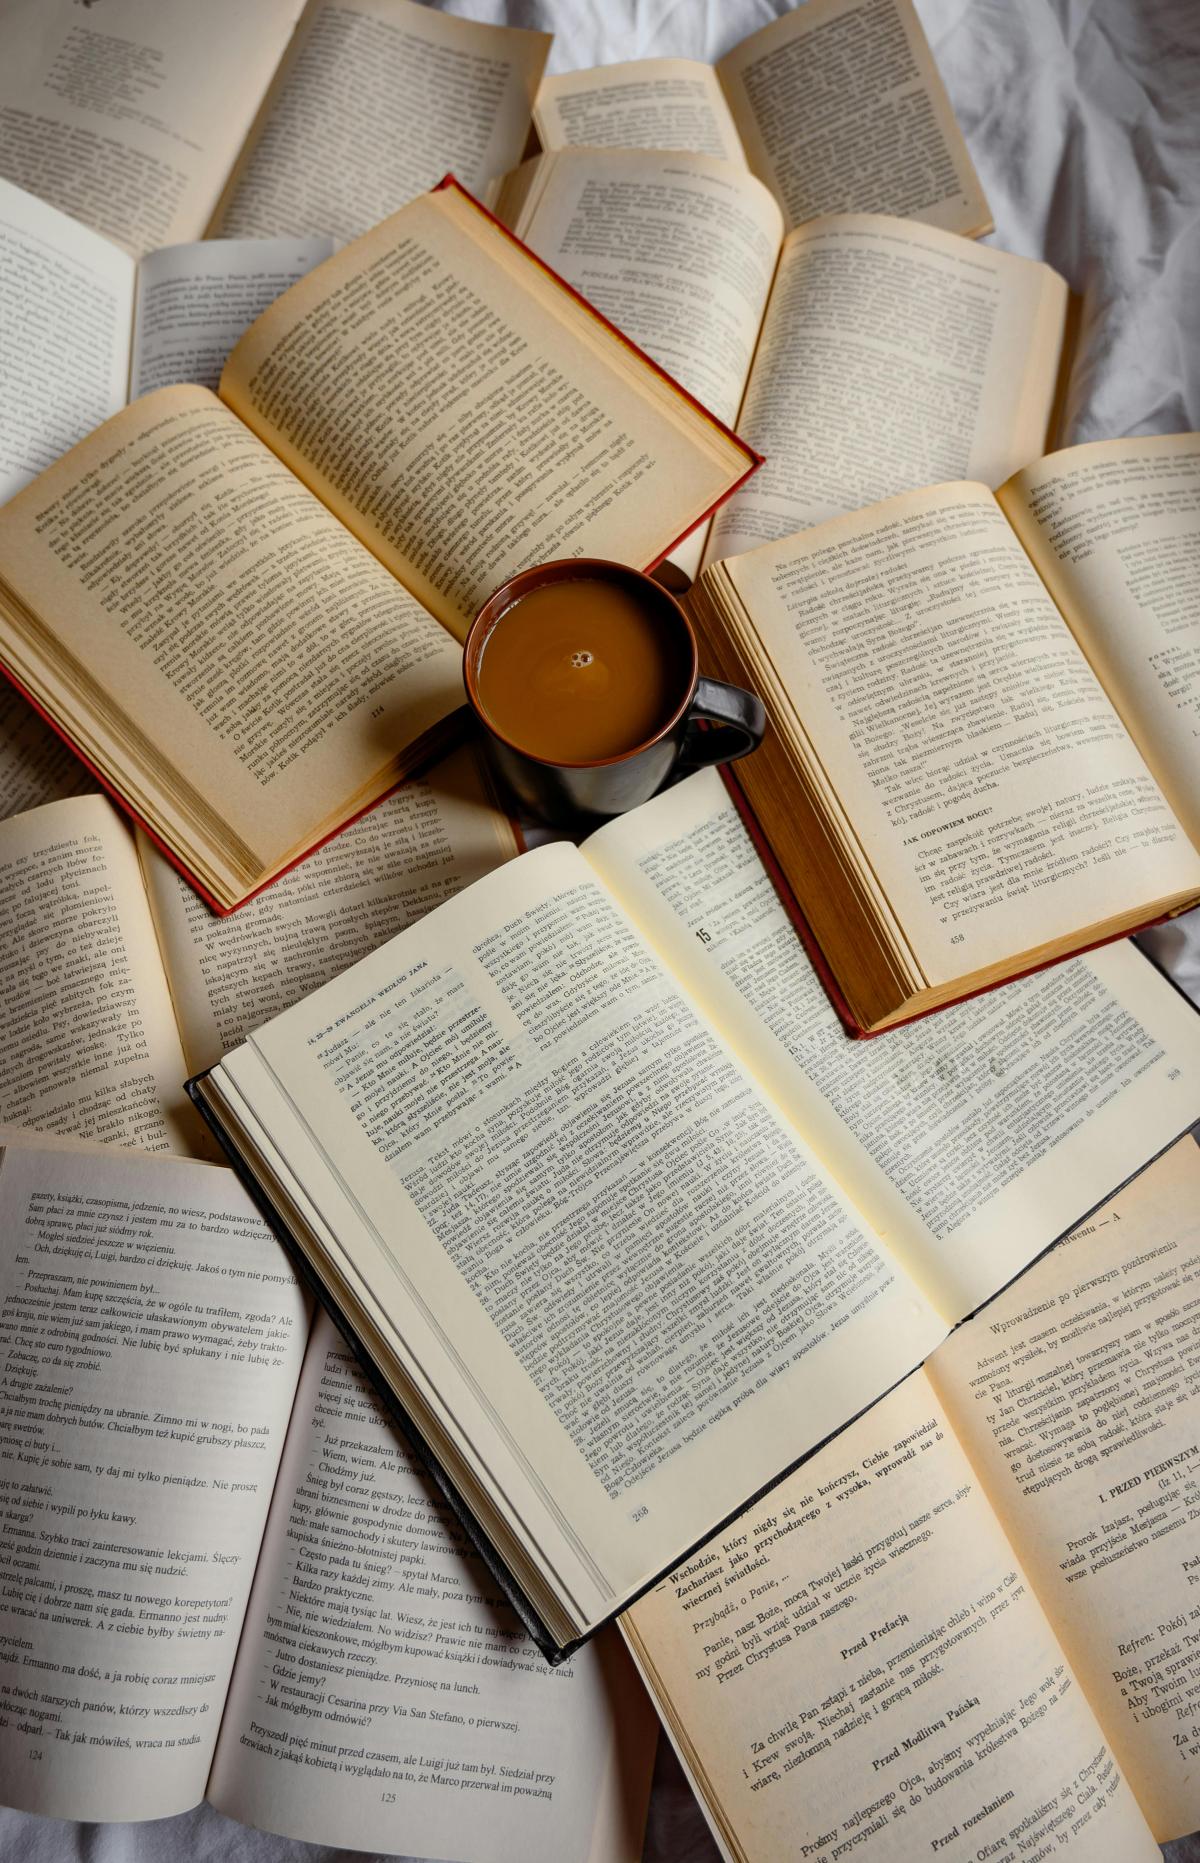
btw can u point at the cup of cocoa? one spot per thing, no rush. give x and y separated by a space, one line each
585 677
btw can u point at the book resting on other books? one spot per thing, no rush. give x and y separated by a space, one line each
586 1165
246 613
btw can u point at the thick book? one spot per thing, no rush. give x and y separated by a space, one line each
835 107
156 124
586 1165
246 612
117 982
967 1628
862 353
981 752
226 1579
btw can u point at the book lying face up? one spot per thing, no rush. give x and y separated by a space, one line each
585 1162
245 612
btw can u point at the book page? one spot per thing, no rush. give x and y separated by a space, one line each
129 116
385 1697
153 1334
972 1139
1115 529
1074 1396
893 355
976 763
374 103
466 417
861 1667
677 250
194 302
90 1044
643 103
243 634
841 110
66 308
35 765
576 1219
424 843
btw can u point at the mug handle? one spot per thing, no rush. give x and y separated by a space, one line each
723 722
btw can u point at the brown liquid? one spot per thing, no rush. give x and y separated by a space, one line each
582 670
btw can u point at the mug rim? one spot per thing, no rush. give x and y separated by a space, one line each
570 569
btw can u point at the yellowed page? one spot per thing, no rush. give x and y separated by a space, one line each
412 1654
465 417
841 110
90 1044
128 116
971 1139
423 844
893 355
376 101
860 1667
677 250
643 103
627 1293
1074 1396
159 1332
1115 529
986 780
35 765
66 313
259 668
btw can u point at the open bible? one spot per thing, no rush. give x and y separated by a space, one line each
156 121
968 1628
837 107
246 613
862 353
983 747
587 1167
224 1575
116 981
84 328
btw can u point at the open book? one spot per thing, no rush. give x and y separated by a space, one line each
983 747
156 121
861 353
969 1627
837 107
116 982
587 1166
84 328
246 613
224 1576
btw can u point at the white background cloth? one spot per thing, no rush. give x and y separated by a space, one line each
1083 119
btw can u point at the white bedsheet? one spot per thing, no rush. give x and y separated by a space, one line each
1082 119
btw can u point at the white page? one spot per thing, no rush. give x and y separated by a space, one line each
153 1334
195 300
66 307
385 1696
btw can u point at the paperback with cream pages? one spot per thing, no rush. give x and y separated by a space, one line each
862 353
224 1576
969 1627
587 1167
116 981
156 121
246 612
84 328
836 106
983 741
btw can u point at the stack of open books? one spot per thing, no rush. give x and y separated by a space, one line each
608 1214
